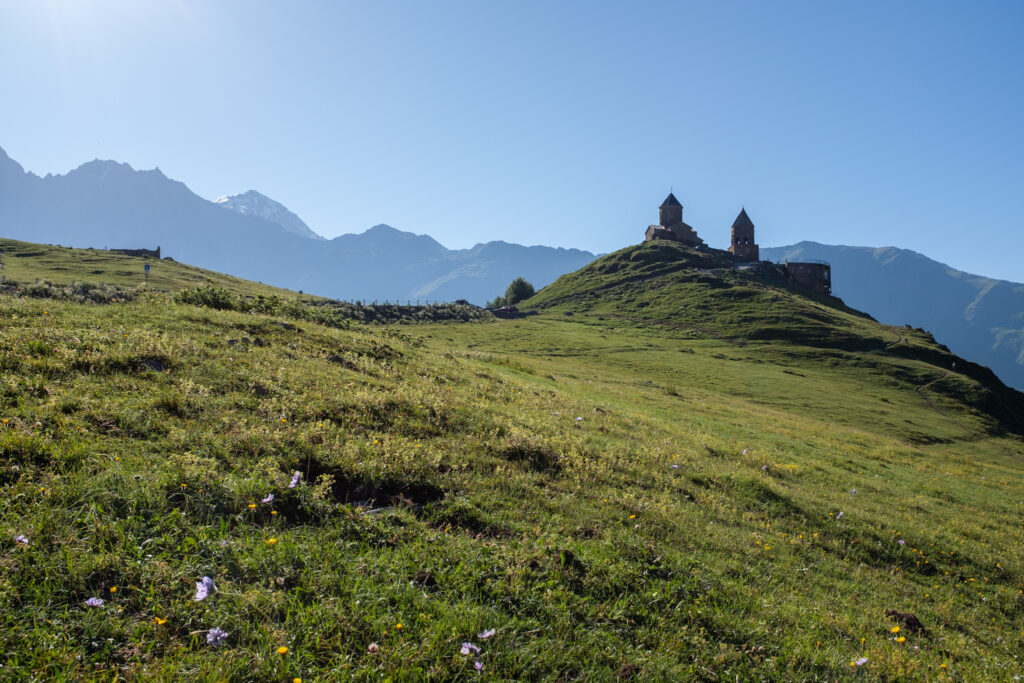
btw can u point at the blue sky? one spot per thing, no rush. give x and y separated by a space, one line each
558 123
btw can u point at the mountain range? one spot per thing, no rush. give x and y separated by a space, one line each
977 317
110 204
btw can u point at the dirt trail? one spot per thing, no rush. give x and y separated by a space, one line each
899 340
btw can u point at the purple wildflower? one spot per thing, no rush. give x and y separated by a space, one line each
854 492
486 634
203 588
469 647
556 412
839 516
21 539
94 602
675 467
579 419
295 479
478 665
744 451
901 542
268 499
861 662
764 467
216 636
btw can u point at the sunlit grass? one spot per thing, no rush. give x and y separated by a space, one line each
610 498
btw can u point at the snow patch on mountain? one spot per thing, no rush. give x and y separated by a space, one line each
252 203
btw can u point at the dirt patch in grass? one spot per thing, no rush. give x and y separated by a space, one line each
128 365
530 454
348 487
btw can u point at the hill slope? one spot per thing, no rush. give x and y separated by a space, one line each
668 285
26 263
553 497
978 317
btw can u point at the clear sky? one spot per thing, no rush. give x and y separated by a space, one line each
559 123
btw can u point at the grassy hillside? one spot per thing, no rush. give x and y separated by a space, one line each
671 288
25 262
622 492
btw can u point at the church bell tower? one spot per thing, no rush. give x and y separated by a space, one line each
742 245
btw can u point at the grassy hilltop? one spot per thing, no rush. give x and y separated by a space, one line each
25 262
675 471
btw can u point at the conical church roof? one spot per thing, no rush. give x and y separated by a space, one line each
742 221
670 200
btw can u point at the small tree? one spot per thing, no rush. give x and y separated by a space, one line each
519 290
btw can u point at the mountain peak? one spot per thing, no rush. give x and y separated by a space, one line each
386 236
253 203
104 165
9 166
383 229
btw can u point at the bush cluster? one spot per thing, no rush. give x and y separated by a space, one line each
330 313
78 292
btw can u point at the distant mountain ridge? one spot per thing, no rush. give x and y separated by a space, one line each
977 317
109 204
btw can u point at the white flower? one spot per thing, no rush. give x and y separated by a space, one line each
203 588
216 636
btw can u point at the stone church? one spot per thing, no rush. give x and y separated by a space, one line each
815 275
671 227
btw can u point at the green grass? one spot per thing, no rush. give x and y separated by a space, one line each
685 528
25 262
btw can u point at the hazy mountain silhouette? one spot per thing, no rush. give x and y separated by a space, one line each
976 317
106 204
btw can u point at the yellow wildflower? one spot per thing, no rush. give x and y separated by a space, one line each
159 621
282 650
894 629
